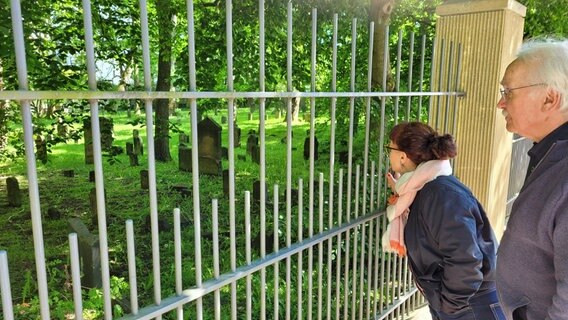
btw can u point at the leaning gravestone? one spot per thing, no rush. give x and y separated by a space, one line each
14 193
89 254
209 146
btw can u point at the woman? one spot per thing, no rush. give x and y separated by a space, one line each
439 224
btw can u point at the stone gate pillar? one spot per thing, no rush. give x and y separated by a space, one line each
490 32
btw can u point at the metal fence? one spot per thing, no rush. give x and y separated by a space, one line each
323 256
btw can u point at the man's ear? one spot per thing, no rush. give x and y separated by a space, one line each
552 100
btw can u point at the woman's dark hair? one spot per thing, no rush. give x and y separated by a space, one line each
422 143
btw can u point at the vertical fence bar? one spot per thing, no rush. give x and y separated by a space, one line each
248 255
440 81
262 130
449 85
300 238
456 88
215 231
5 291
132 280
76 275
332 158
311 160
99 181
320 249
288 265
350 159
276 249
338 260
410 70
368 115
194 138
290 87
177 259
421 82
397 75
231 127
35 207
355 247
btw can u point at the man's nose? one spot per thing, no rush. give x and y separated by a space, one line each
501 103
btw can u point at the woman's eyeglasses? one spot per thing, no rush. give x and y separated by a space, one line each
389 149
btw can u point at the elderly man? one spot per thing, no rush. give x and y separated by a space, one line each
532 261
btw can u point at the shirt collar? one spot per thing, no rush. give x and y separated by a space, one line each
539 149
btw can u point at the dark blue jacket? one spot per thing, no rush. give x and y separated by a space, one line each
450 244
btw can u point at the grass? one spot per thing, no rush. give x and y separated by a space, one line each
126 200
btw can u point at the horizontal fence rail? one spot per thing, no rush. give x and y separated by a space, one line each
304 243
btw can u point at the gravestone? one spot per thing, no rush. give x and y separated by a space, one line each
226 182
89 254
14 192
255 154
138 144
106 128
93 205
307 148
62 130
41 149
237 135
294 196
183 190
256 192
144 183
53 213
183 139
209 146
225 153
184 158
69 173
252 140
131 155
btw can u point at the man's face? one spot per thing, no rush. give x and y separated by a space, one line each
523 100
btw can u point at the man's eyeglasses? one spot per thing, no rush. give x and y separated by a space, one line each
506 92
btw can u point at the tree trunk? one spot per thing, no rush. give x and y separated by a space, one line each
380 15
166 25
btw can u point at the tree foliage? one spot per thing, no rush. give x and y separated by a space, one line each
56 60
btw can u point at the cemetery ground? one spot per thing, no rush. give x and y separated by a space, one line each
65 186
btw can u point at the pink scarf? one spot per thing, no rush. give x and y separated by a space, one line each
406 188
